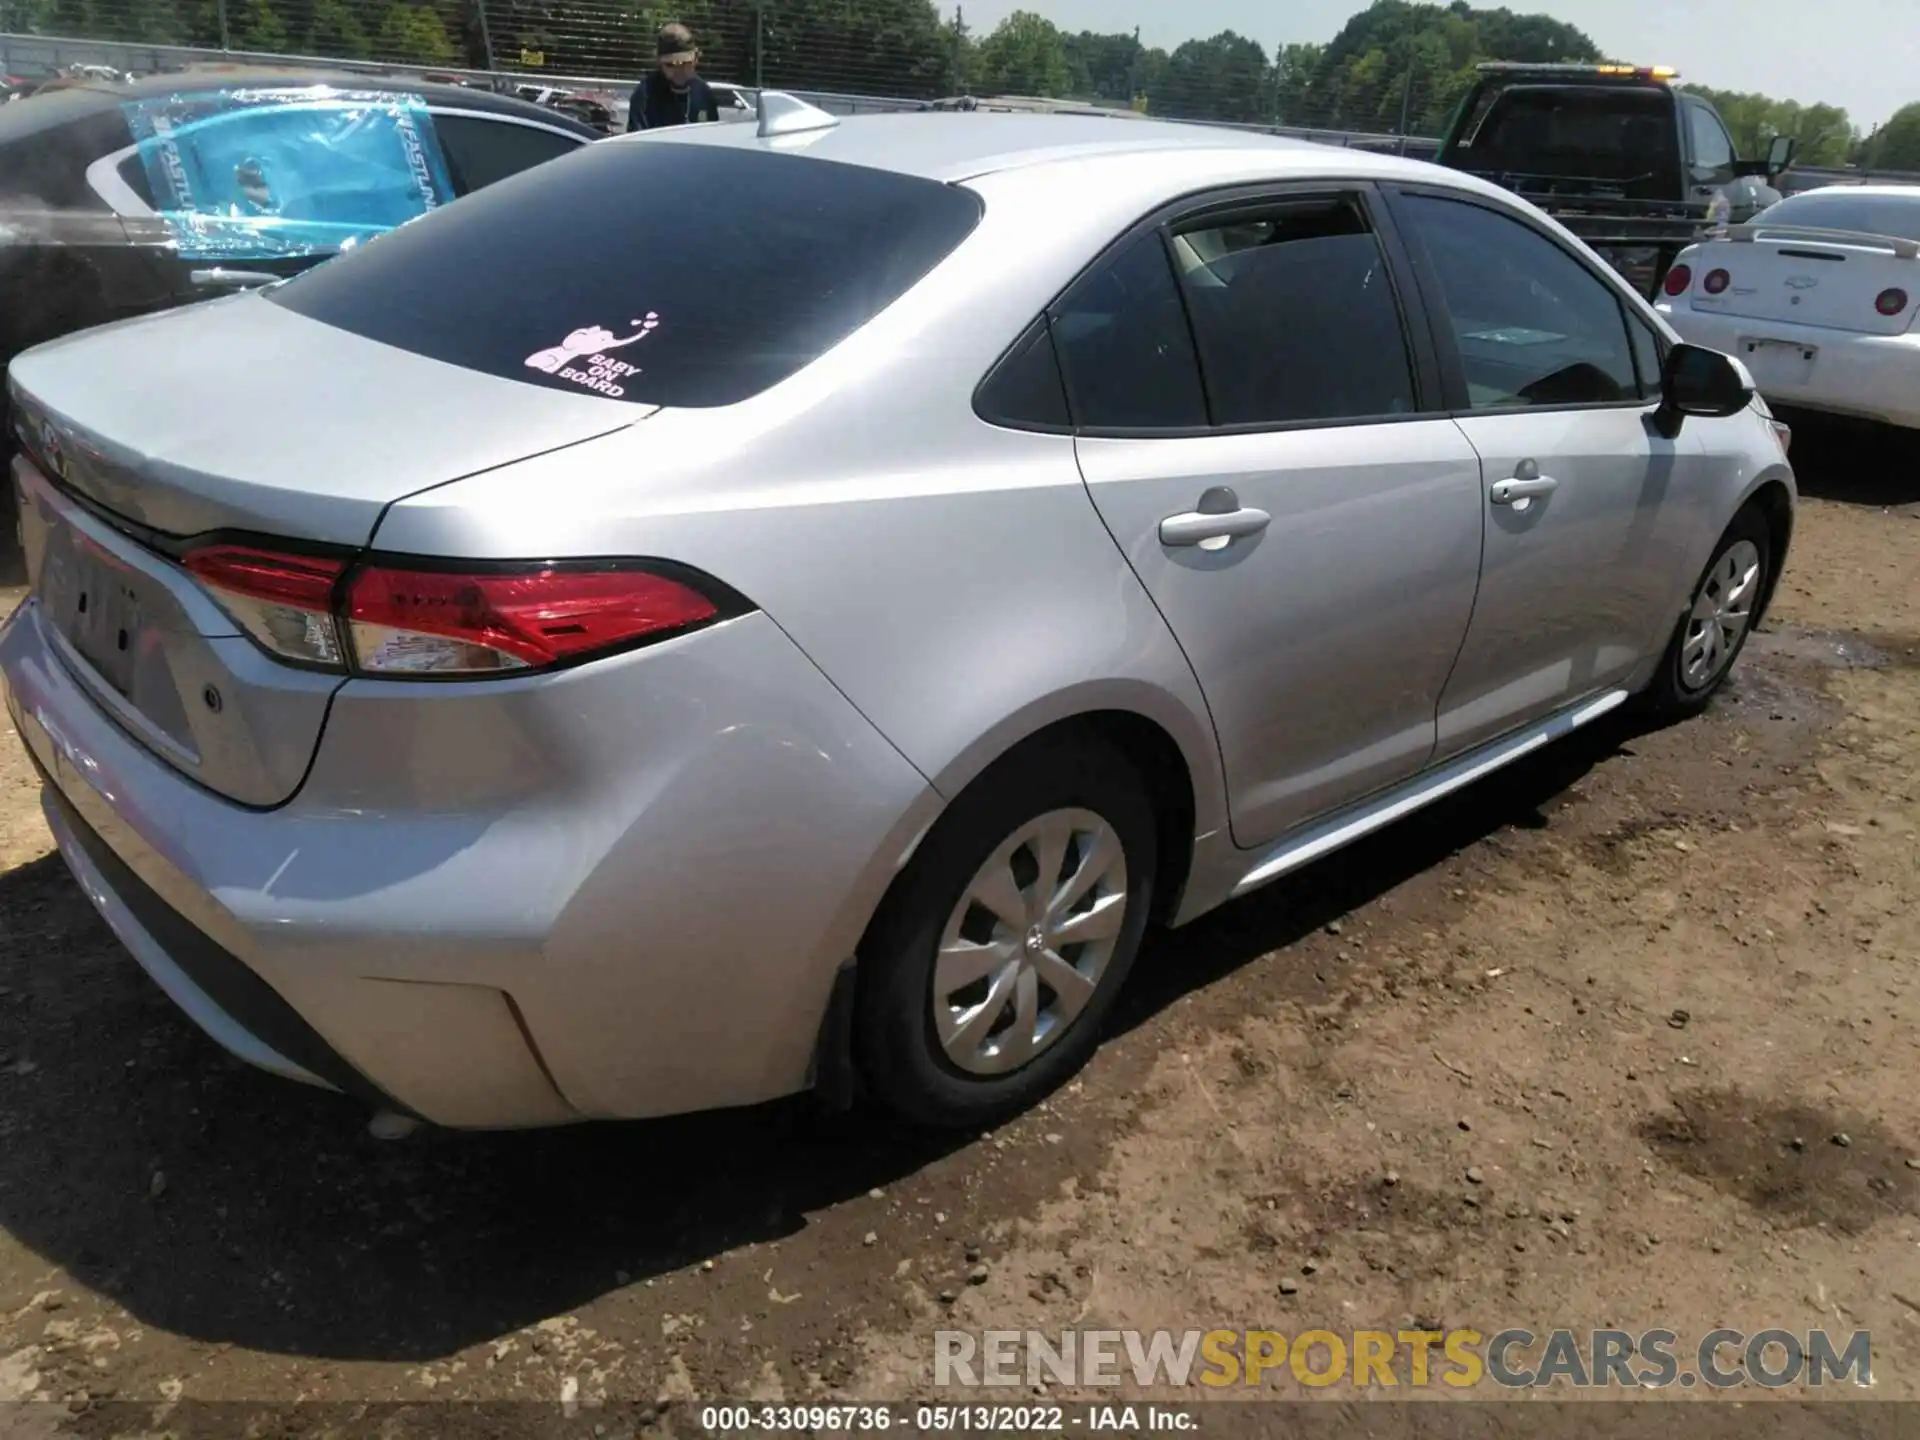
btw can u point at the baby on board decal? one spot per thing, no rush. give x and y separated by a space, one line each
601 375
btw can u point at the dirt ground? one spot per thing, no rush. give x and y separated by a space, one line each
1655 991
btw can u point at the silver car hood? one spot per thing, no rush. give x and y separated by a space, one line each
237 414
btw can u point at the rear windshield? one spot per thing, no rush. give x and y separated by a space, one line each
1895 215
1613 132
650 272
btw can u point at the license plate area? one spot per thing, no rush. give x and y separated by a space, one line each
104 617
1779 362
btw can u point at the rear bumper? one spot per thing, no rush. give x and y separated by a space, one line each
217 991
616 892
1869 377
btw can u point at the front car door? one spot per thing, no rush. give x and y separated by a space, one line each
1554 377
1710 159
1260 434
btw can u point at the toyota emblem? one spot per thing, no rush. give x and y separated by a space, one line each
51 451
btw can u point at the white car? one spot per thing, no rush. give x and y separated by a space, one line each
1818 296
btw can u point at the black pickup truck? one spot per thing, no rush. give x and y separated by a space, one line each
1632 165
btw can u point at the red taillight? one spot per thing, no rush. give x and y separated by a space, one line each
1891 302
440 622
1716 282
284 601
1678 279
401 621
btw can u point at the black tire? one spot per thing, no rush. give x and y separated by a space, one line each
1669 696
896 1043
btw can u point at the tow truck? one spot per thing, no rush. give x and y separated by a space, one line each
1621 155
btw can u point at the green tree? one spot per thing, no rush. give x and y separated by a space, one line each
1222 78
335 31
1107 68
256 25
1025 55
1896 144
413 34
1294 70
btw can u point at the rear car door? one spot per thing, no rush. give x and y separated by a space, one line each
1554 381
1261 436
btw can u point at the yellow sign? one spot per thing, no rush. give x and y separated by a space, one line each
533 57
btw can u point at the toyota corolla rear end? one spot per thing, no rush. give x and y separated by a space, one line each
491 843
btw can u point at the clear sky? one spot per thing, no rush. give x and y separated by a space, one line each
1858 54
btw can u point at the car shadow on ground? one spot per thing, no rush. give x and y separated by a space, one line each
1852 462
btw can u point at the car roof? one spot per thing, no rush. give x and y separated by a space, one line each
38 113
1889 192
951 146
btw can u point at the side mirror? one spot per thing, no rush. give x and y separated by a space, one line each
1780 154
1700 382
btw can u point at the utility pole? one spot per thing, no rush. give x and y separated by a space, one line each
486 36
1279 49
759 46
226 40
959 50
1406 107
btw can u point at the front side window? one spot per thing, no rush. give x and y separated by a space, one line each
1532 325
678 275
1712 150
1648 356
1123 342
261 174
1295 316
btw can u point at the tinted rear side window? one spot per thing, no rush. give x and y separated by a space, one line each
1124 344
653 273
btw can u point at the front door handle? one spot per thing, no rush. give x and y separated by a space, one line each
1512 492
1204 527
220 278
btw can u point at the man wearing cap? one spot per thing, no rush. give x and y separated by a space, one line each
673 94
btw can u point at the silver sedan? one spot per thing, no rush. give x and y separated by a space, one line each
749 608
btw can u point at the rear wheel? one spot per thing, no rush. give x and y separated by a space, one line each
1718 621
986 978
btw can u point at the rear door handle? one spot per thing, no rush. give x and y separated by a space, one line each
1198 527
1510 492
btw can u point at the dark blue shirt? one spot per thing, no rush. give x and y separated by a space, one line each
656 103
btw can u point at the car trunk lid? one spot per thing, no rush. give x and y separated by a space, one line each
1830 278
241 414
276 427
